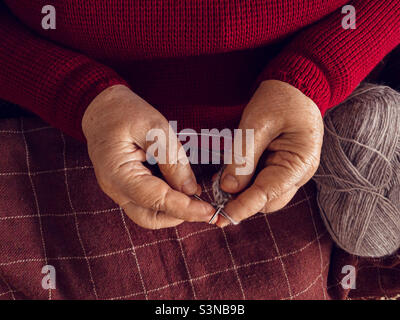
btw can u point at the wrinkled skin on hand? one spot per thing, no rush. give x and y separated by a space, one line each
115 126
288 130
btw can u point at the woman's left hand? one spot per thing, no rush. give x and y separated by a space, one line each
288 132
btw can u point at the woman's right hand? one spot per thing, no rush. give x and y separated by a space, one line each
115 126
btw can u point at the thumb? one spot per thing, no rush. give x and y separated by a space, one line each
171 158
261 120
271 184
249 144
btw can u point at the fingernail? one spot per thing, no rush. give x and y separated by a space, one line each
189 187
230 182
208 212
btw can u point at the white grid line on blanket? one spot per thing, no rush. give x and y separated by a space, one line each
175 239
280 258
129 249
395 297
339 281
207 190
26 131
134 253
380 283
246 265
55 215
76 218
35 196
97 256
185 262
234 265
36 173
138 247
94 212
319 244
177 282
10 290
320 276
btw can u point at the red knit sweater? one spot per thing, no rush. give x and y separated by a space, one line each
197 61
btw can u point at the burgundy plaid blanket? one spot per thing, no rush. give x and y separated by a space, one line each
52 212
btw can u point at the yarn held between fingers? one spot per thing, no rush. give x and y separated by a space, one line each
220 199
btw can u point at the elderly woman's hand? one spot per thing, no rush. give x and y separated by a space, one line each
115 125
288 132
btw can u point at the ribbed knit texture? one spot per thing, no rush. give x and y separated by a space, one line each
198 62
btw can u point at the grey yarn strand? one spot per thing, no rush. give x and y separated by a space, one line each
220 197
358 179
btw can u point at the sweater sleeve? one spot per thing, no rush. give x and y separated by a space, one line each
55 83
326 62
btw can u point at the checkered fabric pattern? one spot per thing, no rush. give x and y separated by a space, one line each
52 212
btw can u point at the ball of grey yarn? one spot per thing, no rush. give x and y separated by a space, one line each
358 180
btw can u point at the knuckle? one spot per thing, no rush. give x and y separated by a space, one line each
161 201
180 214
296 163
262 193
267 194
287 160
243 214
311 162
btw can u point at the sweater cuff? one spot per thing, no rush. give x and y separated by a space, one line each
303 74
100 79
78 88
